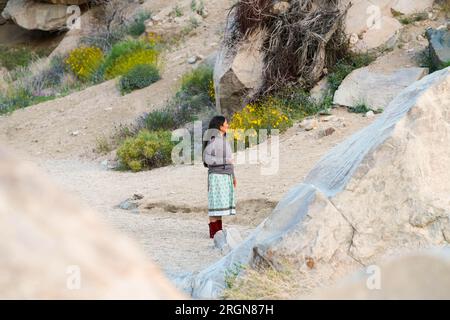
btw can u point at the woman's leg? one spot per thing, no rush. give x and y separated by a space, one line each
214 219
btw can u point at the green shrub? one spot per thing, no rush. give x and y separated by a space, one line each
408 19
359 108
137 27
140 76
297 103
176 12
19 98
147 150
159 120
266 114
197 81
194 96
11 58
345 66
127 54
103 145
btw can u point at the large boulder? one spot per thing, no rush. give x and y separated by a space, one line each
439 46
375 88
53 248
370 25
383 191
33 15
238 71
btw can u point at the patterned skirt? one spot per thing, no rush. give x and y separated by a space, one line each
221 196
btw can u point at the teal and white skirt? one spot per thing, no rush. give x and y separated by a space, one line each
221 196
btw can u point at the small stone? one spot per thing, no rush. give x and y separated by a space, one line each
354 39
327 132
369 114
309 262
192 60
128 205
325 112
137 196
220 239
75 133
156 18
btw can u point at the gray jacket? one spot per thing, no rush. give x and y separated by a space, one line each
218 156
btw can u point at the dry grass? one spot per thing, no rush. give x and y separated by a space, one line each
266 284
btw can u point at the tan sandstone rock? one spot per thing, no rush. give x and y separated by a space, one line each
375 88
382 192
53 248
33 15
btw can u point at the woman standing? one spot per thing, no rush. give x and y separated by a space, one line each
218 157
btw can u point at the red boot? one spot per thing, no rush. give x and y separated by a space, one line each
214 227
219 225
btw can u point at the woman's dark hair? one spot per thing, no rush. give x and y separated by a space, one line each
213 129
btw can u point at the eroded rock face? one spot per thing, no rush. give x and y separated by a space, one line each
52 248
375 88
383 191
